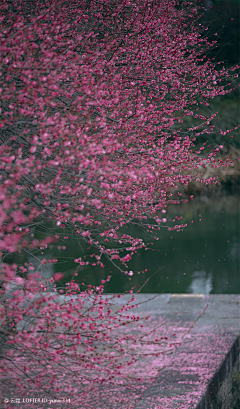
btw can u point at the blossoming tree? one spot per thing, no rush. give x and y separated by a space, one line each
91 93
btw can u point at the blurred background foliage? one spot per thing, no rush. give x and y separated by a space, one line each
222 17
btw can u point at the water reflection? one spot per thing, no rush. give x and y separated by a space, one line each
201 283
203 258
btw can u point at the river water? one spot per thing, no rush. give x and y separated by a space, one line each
204 258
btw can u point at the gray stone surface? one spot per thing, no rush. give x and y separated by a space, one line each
218 315
196 371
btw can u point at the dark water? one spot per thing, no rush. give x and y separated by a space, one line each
203 258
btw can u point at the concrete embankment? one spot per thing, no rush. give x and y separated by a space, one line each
198 348
202 372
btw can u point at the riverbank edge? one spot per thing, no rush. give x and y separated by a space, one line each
220 313
224 388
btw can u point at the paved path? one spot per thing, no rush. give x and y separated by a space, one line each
201 332
198 343
213 325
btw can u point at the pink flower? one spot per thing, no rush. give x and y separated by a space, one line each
19 280
58 276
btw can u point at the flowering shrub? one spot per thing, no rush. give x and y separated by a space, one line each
52 338
90 94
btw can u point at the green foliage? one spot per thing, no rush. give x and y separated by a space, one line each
236 381
219 20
